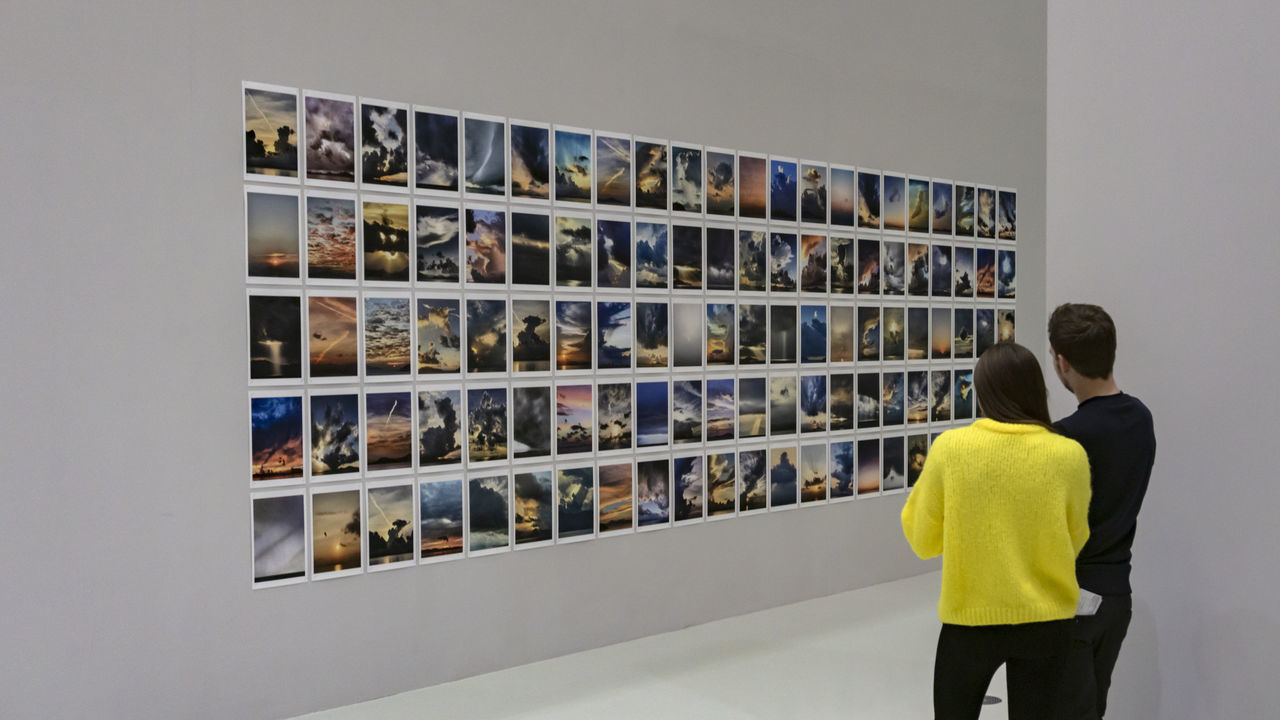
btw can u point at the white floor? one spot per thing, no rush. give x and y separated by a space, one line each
861 654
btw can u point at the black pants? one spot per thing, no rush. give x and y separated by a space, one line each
1034 655
1095 645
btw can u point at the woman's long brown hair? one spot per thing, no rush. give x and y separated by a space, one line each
1011 387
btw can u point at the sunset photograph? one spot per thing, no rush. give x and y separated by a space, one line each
439 336
919 211
440 518
335 531
331 238
276 438
333 340
813 473
616 482
813 263
753 186
386 241
844 201
387 341
573 335
940 337
388 431
573 419
271 234
271 133
1005 326
868 267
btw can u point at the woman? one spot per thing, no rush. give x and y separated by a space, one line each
1005 501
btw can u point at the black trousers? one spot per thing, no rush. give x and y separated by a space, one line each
1034 655
1095 645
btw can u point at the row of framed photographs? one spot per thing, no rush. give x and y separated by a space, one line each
328 336
350 142
343 239
343 433
345 529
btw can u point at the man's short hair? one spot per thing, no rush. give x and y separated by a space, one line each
1086 336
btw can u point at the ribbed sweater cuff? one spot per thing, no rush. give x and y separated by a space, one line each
1005 615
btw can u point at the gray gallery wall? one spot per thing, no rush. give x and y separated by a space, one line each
126 579
1162 150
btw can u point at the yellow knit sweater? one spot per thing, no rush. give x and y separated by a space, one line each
1006 505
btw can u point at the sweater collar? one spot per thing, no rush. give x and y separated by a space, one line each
1011 428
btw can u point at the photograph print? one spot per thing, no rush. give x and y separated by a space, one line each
721 185
651 255
531 335
439 336
869 200
843 264
687 321
752 250
964 210
613 253
435 152
813 333
440 519
917 396
722 487
651 335
690 488
941 270
940 396
753 186
783 190
532 504
486 230
893 476
782 333
335 435
530 421
335 533
752 407
844 196
813 403
868 267
613 416
783 488
573 165
275 337
651 174
919 211
869 394
1007 275
487 438
720 409
275 431
917 451
486 336
721 266
753 492
962 333
388 423
331 237
842 470
530 249
986 213
917 333
384 145
868 333
388 344
437 229
813 263
575 503
653 493
613 335
918 269
616 482
488 515
439 428
720 324
962 403
530 161
272 229
270 133
1007 215
573 419
895 203
894 268
333 337
390 525
752 335
962 272
984 332
686 178
842 401
943 210
279 539
651 414
813 473
385 236
893 398
842 320
783 262
484 155
868 466
573 335
686 411
613 170
813 193
985 272
893 334
686 257
782 405
573 251
940 338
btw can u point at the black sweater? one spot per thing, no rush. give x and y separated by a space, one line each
1117 434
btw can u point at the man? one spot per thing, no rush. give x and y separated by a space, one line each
1117 434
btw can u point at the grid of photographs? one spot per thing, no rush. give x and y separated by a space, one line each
469 334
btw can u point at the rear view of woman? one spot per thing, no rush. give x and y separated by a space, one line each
1005 502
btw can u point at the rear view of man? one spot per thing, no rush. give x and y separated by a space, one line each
1117 434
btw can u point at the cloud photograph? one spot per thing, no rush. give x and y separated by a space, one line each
917 452
722 485
440 518
813 333
486 246
686 179
844 203
331 238
783 190
690 488
940 338
438 233
940 396
813 473
530 162
651 175
384 145
813 263
488 512
984 334
918 396
531 335
941 269
613 335
720 259
962 346
573 166
783 477
275 337
964 210
868 466
486 424
573 335
869 394
573 419
985 218
985 273
686 257
753 493
651 334
271 133
576 502
894 269
616 483
868 267
917 333
686 411
486 336
652 254
752 335
895 203
893 334
1007 217
813 194
335 532
1004 326
613 254
390 524
532 504
919 211
720 323
721 184
530 249
894 472
388 424
720 409
1007 276
893 398
868 333
275 438
484 156
782 262
439 427
651 414
842 401
271 234
813 403
869 200
962 272
435 151
613 416
843 265
653 492
388 344
942 208
279 538
687 320
439 336
613 171
386 241
782 333
751 260
333 339
530 421
753 187
962 402
843 470
782 405
917 270
573 252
